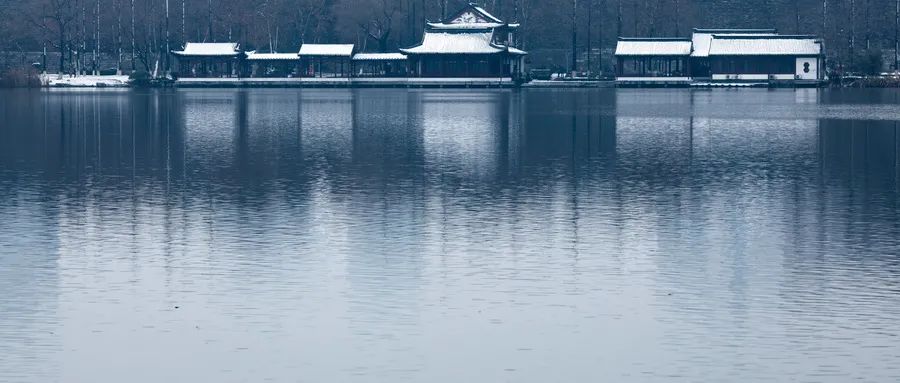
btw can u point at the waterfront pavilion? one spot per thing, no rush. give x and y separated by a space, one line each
209 60
723 57
379 65
326 60
273 64
470 43
701 39
653 59
797 59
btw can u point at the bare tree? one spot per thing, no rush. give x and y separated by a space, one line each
675 17
851 39
96 63
118 8
868 30
57 17
526 12
209 21
574 37
618 18
601 8
380 26
168 49
590 15
268 12
133 34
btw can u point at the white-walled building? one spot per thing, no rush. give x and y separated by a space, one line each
741 56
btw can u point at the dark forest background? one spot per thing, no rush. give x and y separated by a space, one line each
858 34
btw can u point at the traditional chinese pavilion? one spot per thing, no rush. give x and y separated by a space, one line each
470 43
209 60
724 56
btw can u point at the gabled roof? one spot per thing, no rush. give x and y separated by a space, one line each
331 50
378 56
471 13
653 47
470 25
761 45
516 51
702 37
438 42
471 17
209 49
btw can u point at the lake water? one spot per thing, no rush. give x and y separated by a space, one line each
450 236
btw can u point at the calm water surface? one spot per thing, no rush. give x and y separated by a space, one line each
449 236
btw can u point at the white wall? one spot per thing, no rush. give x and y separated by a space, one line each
752 77
807 68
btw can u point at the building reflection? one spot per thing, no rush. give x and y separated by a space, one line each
566 124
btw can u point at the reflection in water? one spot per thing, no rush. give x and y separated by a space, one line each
394 235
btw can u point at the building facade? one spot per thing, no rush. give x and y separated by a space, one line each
721 56
470 43
209 60
653 61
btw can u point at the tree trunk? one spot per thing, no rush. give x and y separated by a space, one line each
83 36
209 29
63 47
133 45
119 37
97 43
618 18
166 53
634 13
868 29
676 17
852 37
600 10
574 37
516 10
590 70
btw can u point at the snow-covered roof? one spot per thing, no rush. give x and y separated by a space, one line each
780 45
748 31
209 49
653 47
465 25
702 37
341 50
272 56
378 56
486 14
461 43
517 51
471 14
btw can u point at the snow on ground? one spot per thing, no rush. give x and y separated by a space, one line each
84 81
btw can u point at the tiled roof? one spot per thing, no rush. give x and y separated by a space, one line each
653 47
209 49
340 50
764 46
